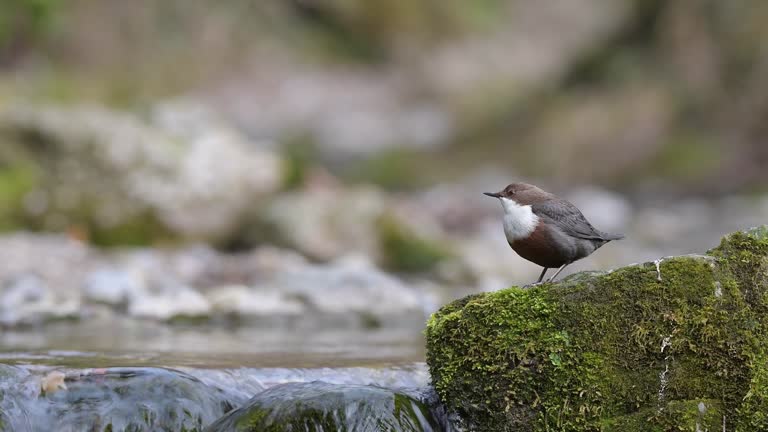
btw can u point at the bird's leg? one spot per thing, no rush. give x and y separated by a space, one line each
557 272
541 276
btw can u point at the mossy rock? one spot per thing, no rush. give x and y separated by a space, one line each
319 406
695 415
639 348
118 178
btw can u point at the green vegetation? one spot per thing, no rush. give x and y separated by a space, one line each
16 182
404 250
688 156
298 155
397 169
142 229
23 21
675 416
608 350
373 30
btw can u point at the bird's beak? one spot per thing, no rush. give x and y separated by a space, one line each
493 194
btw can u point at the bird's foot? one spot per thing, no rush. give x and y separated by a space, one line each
531 285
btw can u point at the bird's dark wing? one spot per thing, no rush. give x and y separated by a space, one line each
568 218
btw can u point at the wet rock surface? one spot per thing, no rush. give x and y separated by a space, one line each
115 399
323 406
190 399
672 344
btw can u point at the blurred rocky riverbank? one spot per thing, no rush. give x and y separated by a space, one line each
235 237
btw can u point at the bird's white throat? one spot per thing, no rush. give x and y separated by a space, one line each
519 220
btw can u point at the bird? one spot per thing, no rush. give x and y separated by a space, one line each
547 230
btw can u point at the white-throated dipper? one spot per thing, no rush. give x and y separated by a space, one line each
547 230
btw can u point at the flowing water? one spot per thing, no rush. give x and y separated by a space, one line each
138 375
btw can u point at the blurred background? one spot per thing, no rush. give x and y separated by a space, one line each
183 168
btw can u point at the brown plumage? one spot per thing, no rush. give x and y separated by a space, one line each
547 230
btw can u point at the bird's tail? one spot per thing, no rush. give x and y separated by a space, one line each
608 236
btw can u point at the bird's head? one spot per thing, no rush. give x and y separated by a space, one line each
521 194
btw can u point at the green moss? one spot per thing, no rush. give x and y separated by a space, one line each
141 230
688 156
68 197
19 179
753 412
693 416
593 350
371 30
404 250
298 155
398 169
16 181
320 406
258 420
24 20
523 316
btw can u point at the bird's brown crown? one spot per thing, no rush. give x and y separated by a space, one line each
525 194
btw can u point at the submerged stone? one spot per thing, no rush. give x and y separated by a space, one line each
319 406
676 344
116 399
